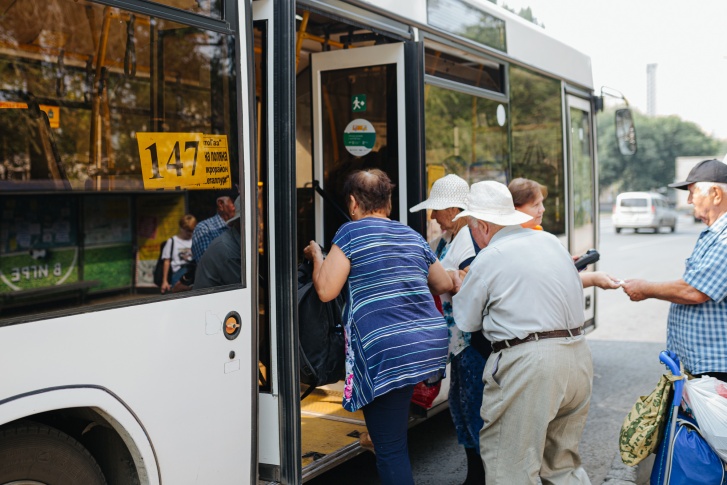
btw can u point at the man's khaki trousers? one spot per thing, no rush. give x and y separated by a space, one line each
534 407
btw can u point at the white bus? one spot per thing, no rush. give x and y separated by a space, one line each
117 118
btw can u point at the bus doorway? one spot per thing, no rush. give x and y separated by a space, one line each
357 111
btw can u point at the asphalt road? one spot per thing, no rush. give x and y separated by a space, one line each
625 347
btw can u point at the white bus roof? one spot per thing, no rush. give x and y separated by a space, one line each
527 44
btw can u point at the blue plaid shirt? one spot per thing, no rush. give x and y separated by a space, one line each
698 333
204 233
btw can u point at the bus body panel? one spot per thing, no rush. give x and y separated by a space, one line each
170 365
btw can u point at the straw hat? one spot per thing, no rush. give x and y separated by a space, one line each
492 202
449 191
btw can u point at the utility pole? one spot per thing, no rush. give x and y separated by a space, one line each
651 89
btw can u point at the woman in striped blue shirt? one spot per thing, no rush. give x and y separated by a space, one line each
395 336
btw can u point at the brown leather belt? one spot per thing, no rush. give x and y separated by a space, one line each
504 344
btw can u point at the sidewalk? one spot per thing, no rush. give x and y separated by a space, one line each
621 474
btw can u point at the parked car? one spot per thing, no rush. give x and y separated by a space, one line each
643 210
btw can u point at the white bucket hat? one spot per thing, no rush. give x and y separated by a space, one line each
449 191
492 202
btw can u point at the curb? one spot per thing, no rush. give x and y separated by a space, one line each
621 474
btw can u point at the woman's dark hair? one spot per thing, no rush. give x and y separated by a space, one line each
371 189
524 191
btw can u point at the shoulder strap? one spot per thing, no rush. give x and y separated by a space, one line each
474 243
440 248
468 261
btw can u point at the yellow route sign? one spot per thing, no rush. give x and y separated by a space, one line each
184 160
53 112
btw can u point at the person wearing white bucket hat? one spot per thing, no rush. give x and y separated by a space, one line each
523 292
455 249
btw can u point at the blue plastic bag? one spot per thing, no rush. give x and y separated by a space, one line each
693 460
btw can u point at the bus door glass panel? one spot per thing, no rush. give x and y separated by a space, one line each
536 114
466 135
583 235
582 176
102 101
358 110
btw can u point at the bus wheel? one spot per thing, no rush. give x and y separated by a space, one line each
38 454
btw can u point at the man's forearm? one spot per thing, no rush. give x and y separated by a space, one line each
677 291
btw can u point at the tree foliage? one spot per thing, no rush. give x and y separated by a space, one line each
524 12
661 139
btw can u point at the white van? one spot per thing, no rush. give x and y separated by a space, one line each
643 210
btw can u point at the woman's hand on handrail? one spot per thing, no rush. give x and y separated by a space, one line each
313 251
329 274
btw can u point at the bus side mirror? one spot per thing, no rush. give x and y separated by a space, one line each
625 132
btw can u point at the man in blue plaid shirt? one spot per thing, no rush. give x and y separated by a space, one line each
206 231
697 324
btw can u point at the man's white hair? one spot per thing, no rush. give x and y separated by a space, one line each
704 187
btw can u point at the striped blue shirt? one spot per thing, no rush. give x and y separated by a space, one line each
698 333
395 336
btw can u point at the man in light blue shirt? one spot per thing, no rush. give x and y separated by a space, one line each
524 293
697 323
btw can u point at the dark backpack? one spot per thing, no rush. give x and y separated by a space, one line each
320 334
159 268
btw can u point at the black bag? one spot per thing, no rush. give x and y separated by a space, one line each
159 268
320 334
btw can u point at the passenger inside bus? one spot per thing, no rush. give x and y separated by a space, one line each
208 229
177 253
221 263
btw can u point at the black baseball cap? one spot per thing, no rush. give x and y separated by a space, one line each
705 171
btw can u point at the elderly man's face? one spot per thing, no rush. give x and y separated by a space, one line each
710 206
701 202
226 208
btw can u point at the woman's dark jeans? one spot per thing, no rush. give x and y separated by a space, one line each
387 420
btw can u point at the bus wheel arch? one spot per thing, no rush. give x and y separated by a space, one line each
105 427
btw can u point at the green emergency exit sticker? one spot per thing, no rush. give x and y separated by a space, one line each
358 103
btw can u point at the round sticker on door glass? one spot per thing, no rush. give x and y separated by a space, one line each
501 115
359 137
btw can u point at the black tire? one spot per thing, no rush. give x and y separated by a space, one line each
39 453
618 230
673 228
